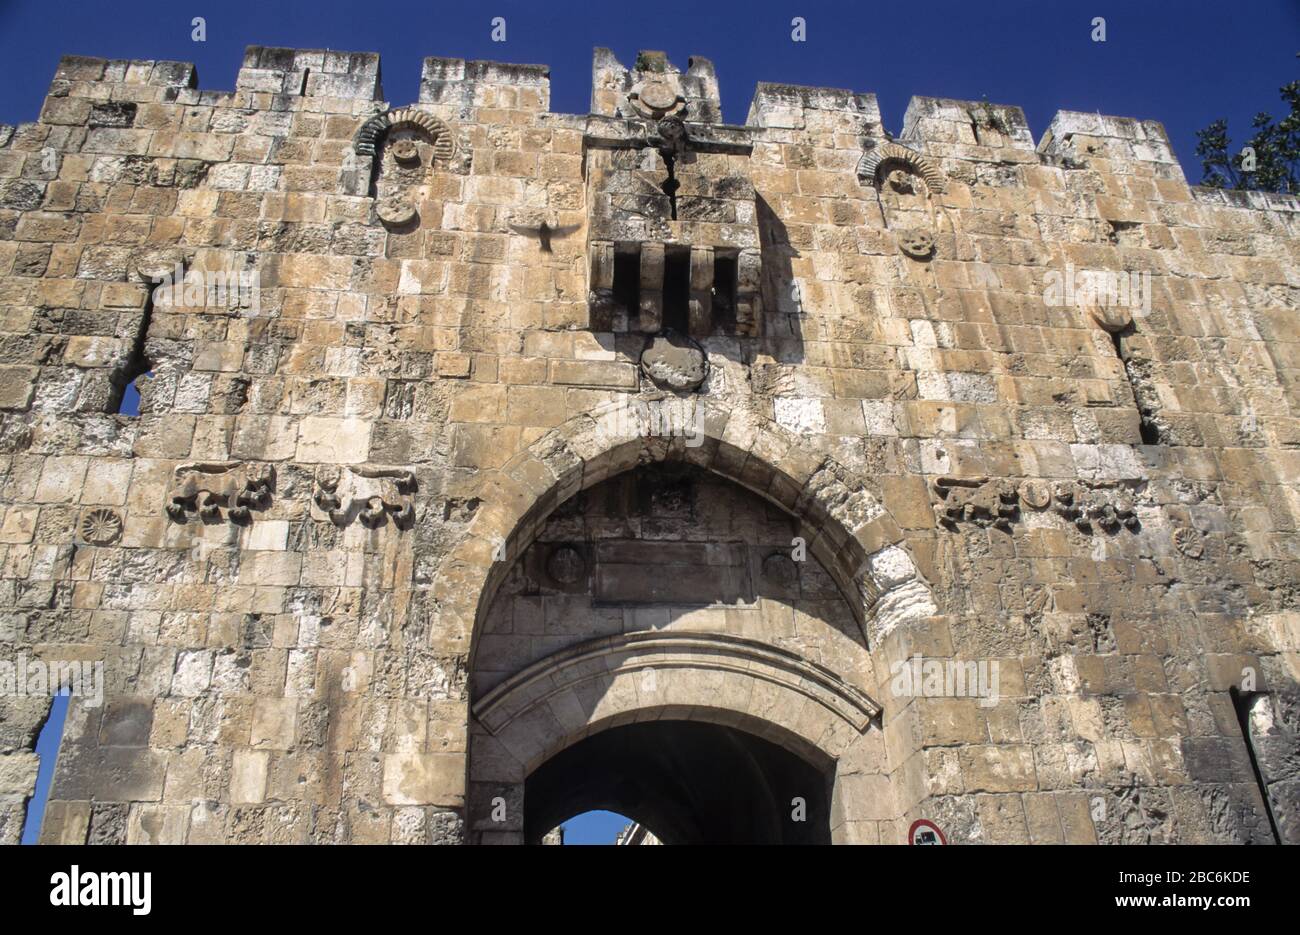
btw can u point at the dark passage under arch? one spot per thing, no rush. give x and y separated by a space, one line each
689 782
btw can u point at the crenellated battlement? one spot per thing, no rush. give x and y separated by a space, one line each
85 91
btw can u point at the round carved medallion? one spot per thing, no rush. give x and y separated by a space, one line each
566 565
917 243
101 527
658 95
395 211
1189 542
675 362
1035 494
656 98
406 152
779 569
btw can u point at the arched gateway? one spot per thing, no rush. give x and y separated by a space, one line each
657 566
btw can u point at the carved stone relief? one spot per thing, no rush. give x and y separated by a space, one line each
985 502
916 242
369 493
566 565
674 362
101 527
657 97
1035 494
976 500
1105 508
228 490
1189 542
905 183
406 145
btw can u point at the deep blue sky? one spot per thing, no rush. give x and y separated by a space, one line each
594 828
1184 63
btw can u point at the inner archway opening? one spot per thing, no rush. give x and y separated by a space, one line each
689 782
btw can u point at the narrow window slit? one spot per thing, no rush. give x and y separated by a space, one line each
627 288
1243 703
48 741
671 184
1147 428
126 396
724 292
677 289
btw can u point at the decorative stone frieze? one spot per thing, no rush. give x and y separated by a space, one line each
368 493
229 491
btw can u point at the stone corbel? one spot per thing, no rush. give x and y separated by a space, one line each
369 493
208 488
749 292
652 286
700 310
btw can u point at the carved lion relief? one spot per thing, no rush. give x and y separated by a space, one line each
984 501
370 493
221 490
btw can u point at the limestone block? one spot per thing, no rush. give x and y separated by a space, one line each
17 386
61 479
802 416
424 779
274 723
594 373
19 524
92 352
998 768
248 776
269 535
333 440
18 773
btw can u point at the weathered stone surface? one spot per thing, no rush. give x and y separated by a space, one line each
674 363
453 442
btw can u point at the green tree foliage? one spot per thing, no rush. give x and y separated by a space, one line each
1275 145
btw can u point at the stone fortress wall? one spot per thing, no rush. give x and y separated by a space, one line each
381 541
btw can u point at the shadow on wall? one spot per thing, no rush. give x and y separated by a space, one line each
666 546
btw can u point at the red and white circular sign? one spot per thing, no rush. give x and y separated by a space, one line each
924 831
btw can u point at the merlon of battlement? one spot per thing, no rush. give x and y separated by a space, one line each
311 72
475 83
653 88
795 107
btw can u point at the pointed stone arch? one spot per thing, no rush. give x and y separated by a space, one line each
845 527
